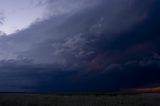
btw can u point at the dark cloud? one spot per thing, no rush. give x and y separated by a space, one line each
61 7
98 46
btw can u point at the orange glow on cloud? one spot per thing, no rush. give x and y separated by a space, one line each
155 89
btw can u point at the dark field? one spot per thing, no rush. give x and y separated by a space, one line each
21 99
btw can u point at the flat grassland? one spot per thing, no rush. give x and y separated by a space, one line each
26 99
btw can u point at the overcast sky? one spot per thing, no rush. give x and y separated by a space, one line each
79 45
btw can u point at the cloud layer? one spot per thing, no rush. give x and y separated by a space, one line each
94 45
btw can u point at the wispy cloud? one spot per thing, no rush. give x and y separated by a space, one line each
2 18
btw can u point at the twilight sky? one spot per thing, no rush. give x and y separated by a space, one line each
79 45
19 14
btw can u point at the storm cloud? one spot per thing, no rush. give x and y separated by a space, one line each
84 43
